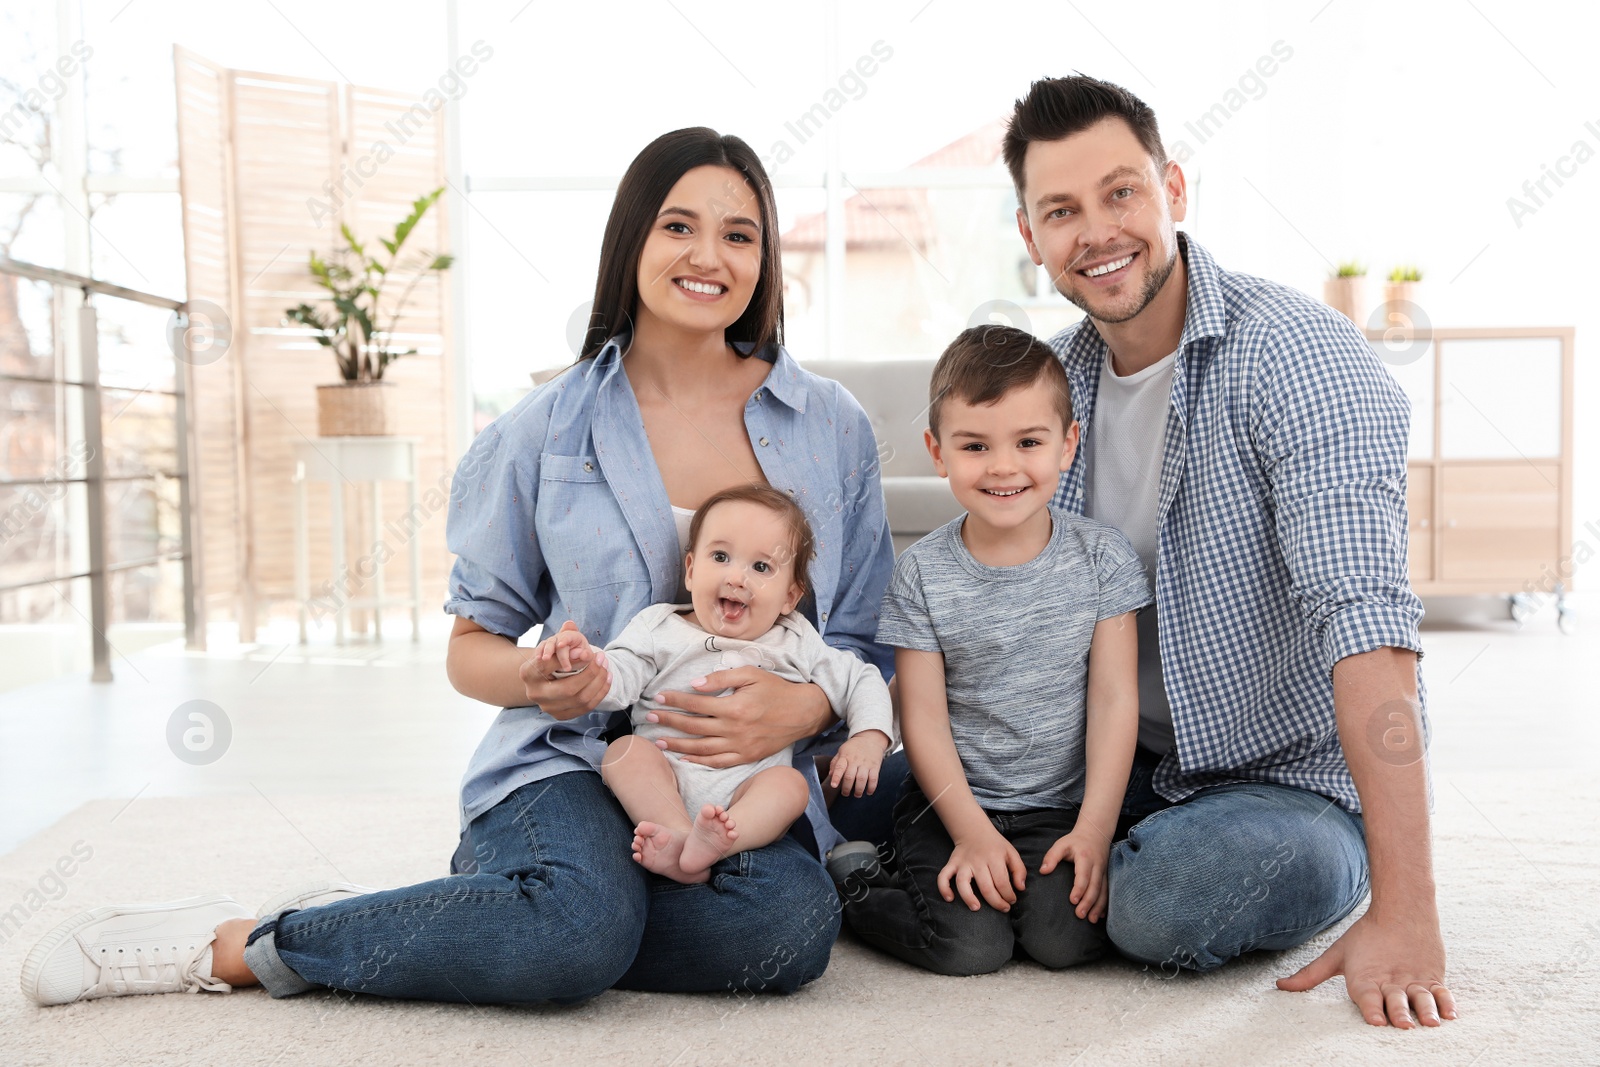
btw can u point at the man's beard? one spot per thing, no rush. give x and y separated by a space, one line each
1152 285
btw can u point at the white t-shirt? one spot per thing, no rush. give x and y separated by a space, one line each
682 518
1122 487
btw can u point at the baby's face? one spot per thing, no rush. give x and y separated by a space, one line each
740 573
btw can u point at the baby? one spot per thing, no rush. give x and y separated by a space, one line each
745 570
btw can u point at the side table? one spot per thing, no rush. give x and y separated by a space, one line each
338 460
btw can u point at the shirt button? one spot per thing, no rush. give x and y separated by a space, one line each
588 468
758 394
824 616
763 442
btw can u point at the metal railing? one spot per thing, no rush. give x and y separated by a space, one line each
95 478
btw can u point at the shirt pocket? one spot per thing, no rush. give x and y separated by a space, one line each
586 540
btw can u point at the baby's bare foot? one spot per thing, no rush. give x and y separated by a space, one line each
658 849
710 839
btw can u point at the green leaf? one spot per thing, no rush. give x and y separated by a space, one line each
419 207
355 311
441 263
350 239
306 315
319 271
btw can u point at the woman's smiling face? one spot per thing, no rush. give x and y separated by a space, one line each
702 258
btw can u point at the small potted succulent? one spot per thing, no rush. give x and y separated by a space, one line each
357 322
1346 291
1400 290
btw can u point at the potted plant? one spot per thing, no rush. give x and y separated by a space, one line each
358 324
1402 285
1399 296
1346 290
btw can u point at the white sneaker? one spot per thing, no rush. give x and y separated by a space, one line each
121 951
311 897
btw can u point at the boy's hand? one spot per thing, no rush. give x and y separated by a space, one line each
992 863
854 771
1088 852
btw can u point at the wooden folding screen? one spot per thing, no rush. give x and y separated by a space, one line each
271 166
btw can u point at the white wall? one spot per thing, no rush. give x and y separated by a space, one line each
1392 132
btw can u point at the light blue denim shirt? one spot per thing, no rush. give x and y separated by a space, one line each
558 512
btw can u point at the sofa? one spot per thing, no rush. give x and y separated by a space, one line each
894 394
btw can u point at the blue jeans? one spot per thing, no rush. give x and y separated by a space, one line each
871 818
557 911
1232 869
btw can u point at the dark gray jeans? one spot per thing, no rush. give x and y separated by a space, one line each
904 915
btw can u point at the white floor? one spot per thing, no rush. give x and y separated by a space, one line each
363 718
382 717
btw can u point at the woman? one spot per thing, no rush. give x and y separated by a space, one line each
567 511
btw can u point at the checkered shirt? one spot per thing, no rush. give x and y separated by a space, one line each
1282 517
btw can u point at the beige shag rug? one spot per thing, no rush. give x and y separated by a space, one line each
1517 868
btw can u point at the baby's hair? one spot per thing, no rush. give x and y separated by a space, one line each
984 363
802 544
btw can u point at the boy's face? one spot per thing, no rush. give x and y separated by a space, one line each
1095 200
1004 460
740 573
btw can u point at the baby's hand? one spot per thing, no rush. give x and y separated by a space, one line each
565 654
854 771
1088 852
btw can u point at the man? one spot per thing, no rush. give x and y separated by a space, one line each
1251 446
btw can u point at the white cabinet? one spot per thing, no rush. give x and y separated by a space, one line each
1489 489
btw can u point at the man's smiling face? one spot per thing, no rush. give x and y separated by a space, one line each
1099 215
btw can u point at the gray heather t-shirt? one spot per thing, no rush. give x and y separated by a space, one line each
1016 650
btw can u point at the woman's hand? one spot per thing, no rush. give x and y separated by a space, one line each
570 696
567 653
763 715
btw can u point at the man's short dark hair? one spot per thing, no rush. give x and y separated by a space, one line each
984 363
1055 108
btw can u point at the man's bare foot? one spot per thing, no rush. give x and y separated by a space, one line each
710 839
659 850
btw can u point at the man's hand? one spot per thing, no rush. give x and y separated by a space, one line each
993 863
1088 852
763 715
854 771
1392 958
1393 970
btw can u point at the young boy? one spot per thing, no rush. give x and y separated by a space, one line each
745 570
1014 642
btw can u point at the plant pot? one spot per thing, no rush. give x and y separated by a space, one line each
353 409
1398 299
1348 296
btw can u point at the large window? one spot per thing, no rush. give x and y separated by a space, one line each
1307 136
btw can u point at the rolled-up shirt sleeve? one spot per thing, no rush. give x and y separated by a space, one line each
499 580
1331 426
